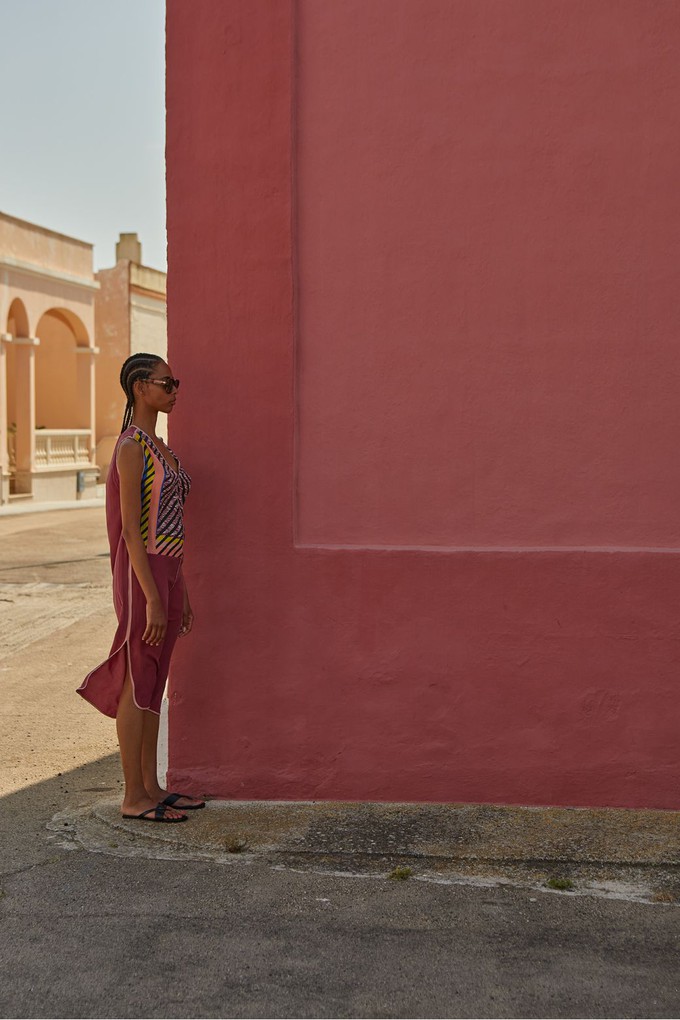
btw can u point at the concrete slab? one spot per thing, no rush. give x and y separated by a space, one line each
621 854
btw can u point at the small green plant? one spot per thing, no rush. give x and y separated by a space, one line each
563 884
400 873
236 845
113 845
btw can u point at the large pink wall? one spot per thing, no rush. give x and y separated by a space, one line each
422 296
487 236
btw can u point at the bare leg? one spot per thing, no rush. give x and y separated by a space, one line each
150 762
130 728
150 755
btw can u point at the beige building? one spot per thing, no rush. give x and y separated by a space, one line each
64 334
130 316
47 364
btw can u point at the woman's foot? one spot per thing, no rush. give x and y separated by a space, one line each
177 800
132 809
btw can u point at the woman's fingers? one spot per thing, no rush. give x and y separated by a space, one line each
187 623
154 634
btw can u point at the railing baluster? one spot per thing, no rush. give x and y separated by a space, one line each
57 447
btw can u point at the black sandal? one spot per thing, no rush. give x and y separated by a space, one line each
172 799
159 812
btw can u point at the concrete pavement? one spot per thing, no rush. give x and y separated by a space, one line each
613 854
259 910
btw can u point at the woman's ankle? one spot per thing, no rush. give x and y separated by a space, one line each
154 791
134 794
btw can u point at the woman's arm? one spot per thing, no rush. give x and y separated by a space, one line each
130 461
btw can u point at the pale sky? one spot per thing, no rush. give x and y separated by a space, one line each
82 120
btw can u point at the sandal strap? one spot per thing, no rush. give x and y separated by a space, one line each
155 810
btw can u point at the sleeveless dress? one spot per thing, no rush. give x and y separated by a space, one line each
163 492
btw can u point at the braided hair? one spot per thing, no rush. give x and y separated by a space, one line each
136 367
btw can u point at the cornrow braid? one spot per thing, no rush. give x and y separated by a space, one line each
136 367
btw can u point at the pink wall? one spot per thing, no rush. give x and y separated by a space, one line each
422 296
487 234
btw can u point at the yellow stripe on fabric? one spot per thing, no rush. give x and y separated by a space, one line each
148 476
168 540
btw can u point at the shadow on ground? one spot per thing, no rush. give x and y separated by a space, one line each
25 814
632 855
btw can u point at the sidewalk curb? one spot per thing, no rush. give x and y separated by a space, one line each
451 832
629 855
8 510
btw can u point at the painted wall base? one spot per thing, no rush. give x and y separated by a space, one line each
57 484
162 770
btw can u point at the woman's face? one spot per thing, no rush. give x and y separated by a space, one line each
154 390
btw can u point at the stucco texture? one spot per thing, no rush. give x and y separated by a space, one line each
422 297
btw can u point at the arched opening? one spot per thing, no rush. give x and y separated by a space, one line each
50 407
75 324
17 319
17 326
59 402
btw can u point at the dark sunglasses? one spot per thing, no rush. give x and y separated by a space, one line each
167 382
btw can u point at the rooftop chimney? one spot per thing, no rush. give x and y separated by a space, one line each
129 247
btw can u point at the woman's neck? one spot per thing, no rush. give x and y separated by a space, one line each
145 420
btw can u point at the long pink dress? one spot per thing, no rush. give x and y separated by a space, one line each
164 491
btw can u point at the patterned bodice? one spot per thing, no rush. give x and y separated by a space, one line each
163 492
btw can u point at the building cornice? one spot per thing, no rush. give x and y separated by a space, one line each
157 295
37 229
156 304
31 269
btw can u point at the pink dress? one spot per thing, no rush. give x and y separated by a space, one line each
164 491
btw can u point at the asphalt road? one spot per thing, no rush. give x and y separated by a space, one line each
95 934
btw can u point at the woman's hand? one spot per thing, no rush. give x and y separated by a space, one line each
187 616
156 622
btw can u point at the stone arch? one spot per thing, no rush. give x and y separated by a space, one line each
58 402
73 322
17 326
17 318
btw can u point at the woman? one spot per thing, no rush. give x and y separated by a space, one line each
145 493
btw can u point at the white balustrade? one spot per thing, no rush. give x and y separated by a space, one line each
62 447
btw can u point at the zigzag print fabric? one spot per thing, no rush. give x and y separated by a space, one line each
148 477
163 493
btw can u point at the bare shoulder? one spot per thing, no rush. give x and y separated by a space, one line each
130 457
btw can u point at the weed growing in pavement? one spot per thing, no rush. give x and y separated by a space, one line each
563 884
236 845
400 873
